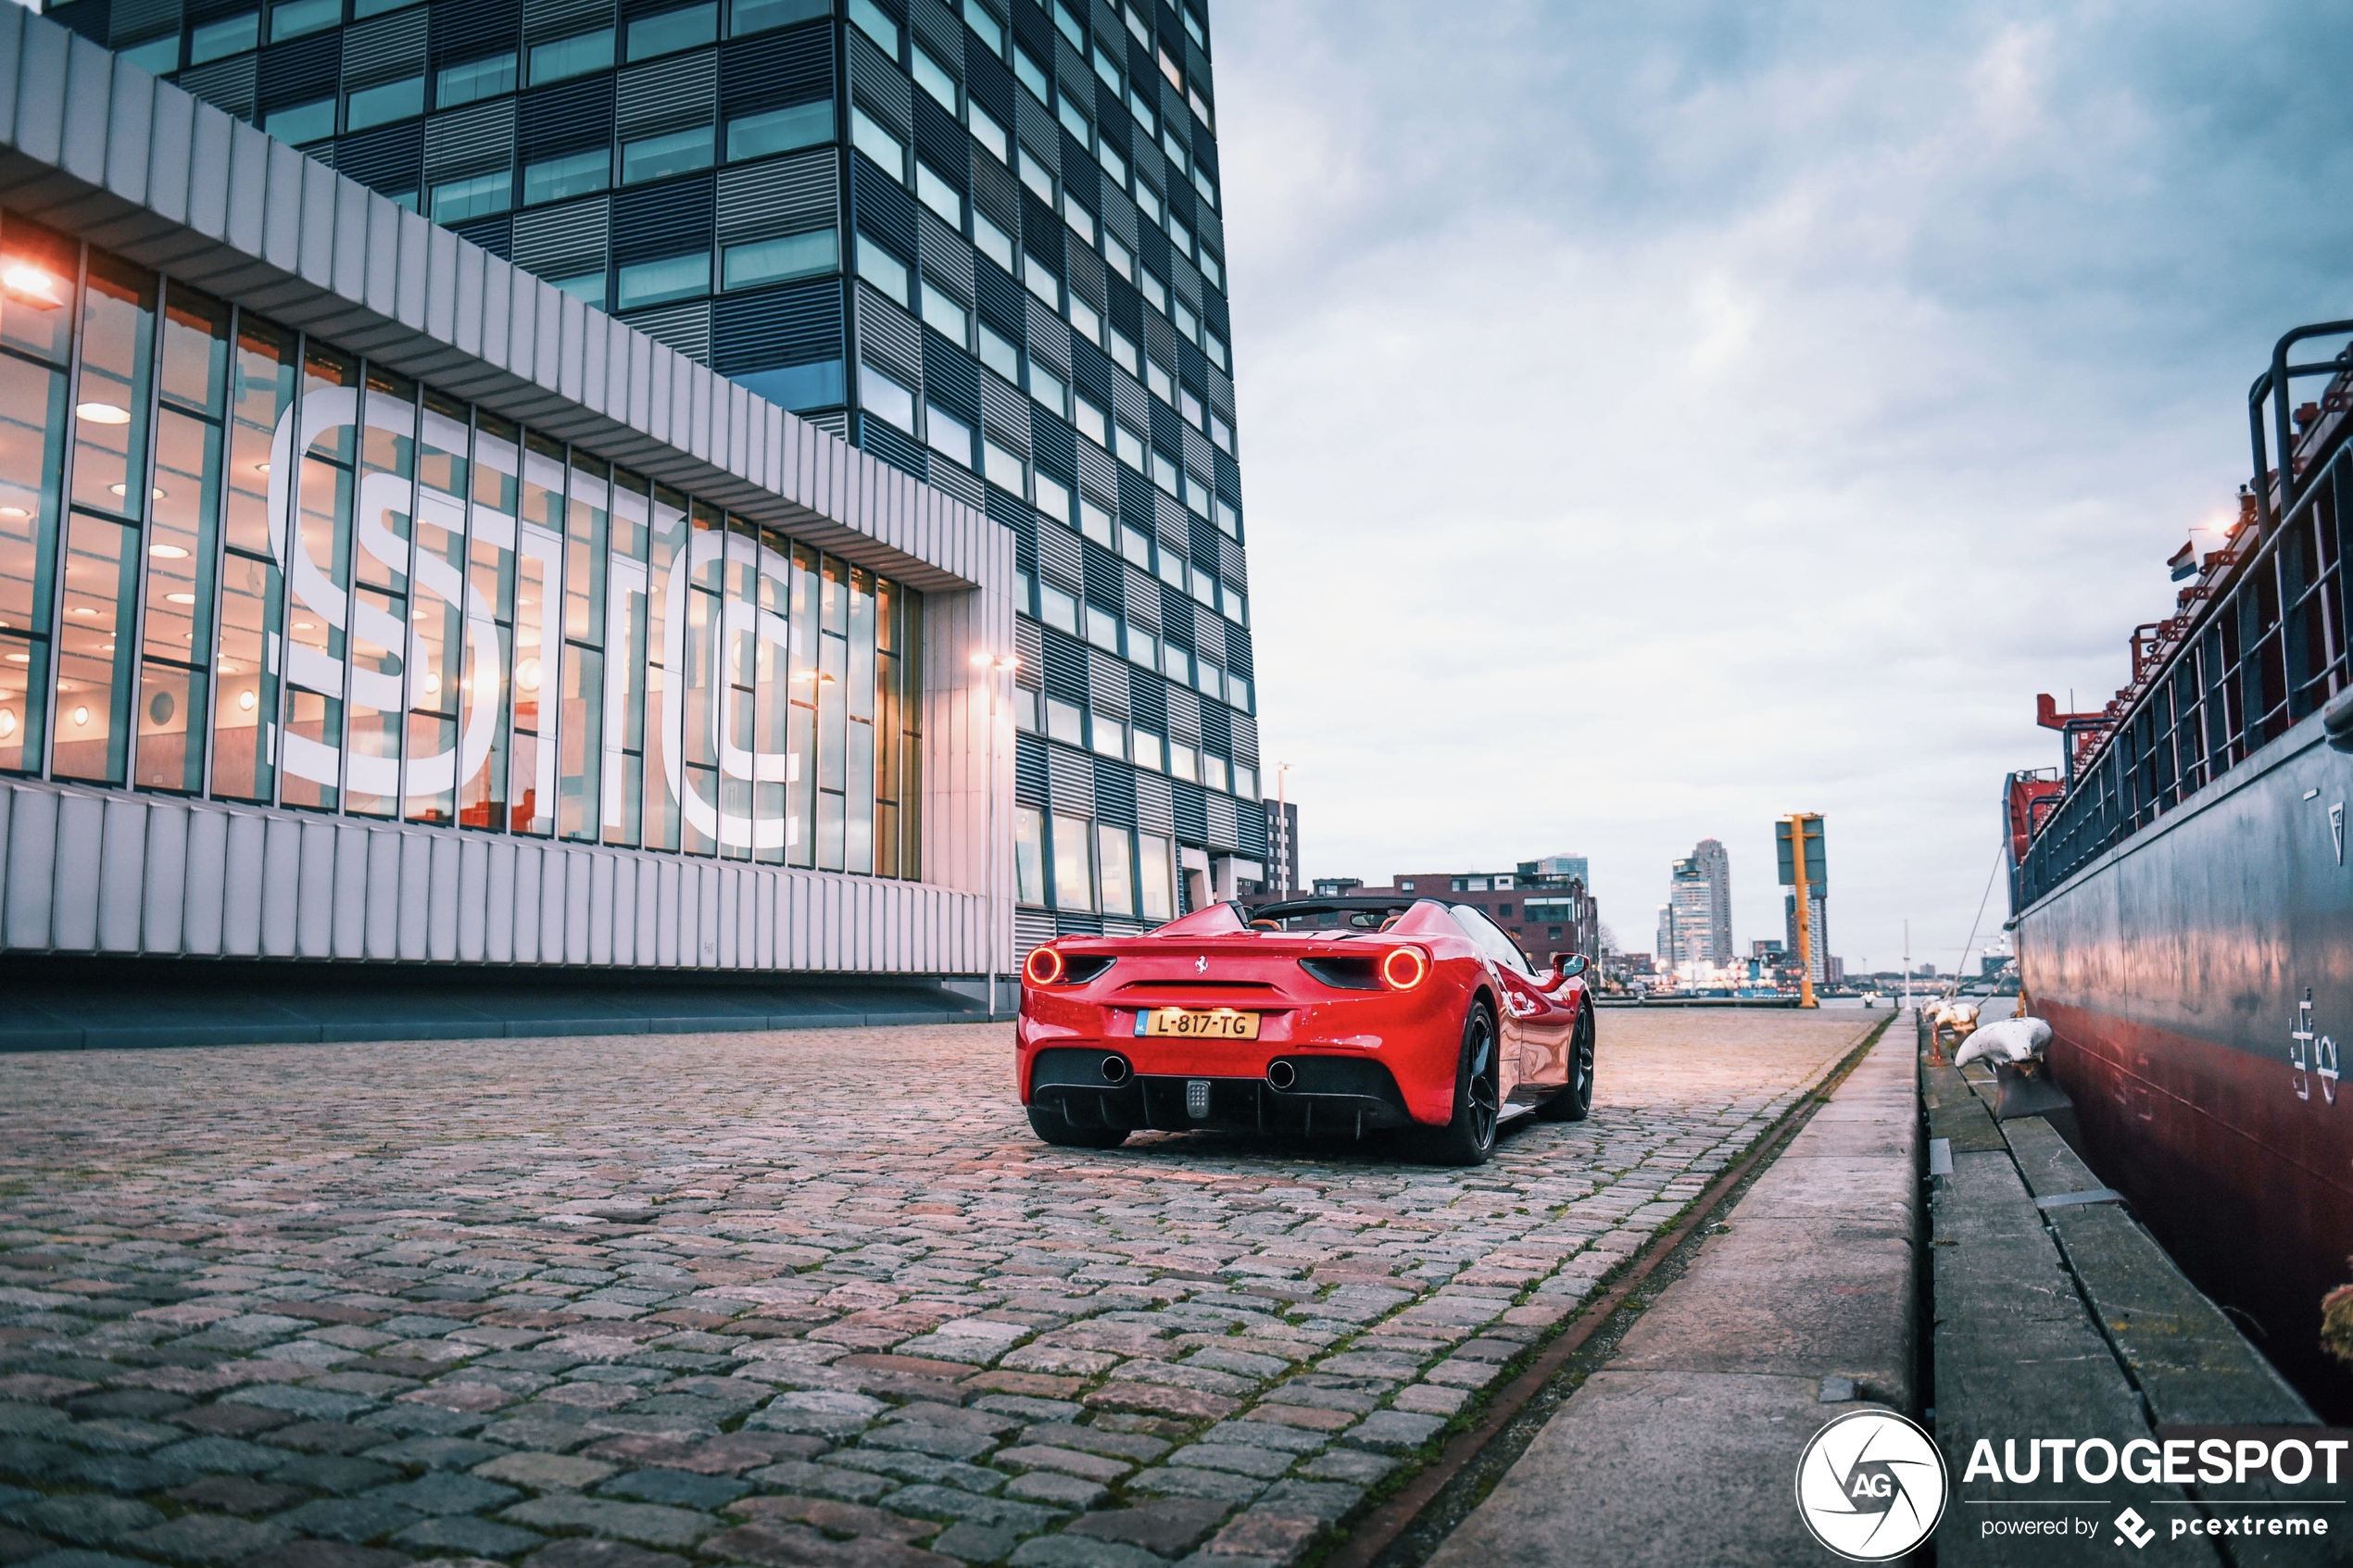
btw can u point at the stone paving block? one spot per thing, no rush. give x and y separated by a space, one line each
1160 1399
676 1487
1430 1399
1348 1465
442 1492
1265 1534
84 1519
1168 1526
946 1503
1264 1435
72 1558
1394 1431
822 1480
352 1520
545 1473
1241 1458
974 1543
237 1494
920 1468
821 1412
1187 1481
838 1518
643 1523
463 1533
915 1437
207 1539
326 1472
1097 1440
1092 1467
1056 1489
1326 1501
328 1554
1073 1551
17 1546
436 1453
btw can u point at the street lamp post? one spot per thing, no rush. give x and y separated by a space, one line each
995 665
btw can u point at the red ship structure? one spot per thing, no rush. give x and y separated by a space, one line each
2181 902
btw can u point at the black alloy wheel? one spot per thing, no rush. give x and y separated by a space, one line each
1575 1102
1053 1124
1469 1139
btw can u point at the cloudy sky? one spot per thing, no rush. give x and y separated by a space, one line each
1659 418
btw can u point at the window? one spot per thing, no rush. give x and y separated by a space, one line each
768 261
947 435
1001 468
475 80
1064 722
568 58
988 133
1237 607
1095 522
672 277
993 241
1114 165
1130 445
1043 284
1237 693
1119 877
1228 521
157 56
1069 27
943 315
1184 762
814 385
1111 737
1136 547
1201 183
1189 406
1172 571
1047 388
1212 269
688 28
1150 751
986 26
296 17
1029 855
1175 149
1490 939
578 175
1245 782
303 122
1168 69
1155 870
1153 289
868 18
484 194
234 35
1123 352
1103 630
1222 434
1054 500
1503 912
1035 175
1163 385
1076 123
1212 770
1081 222
933 78
1123 260
1404 887
1148 202
657 157
587 286
1086 322
1215 347
1090 420
1208 679
1030 75
1074 866
1193 28
885 399
780 130
747 17
1059 611
384 103
884 270
869 137
362 9
1025 700
998 355
933 189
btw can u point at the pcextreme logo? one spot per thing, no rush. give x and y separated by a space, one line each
1870 1485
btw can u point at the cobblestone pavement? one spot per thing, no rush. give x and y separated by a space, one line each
778 1300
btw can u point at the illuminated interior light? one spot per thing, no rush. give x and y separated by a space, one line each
32 284
14 511
244 699
7 722
125 490
180 599
103 413
167 552
527 674
82 716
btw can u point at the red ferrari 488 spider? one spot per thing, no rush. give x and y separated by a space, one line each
1332 1015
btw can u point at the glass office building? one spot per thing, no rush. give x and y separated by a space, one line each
980 242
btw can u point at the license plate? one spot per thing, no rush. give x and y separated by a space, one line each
1199 1023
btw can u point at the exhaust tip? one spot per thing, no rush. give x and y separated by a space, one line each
1281 1074
1114 1069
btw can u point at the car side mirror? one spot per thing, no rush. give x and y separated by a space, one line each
1568 965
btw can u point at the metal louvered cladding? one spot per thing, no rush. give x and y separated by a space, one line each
990 84
890 339
1245 740
1185 277
1090 368
132 20
890 444
1224 829
940 31
1107 685
769 71
1153 806
883 207
1135 499
685 328
1160 339
1032 928
944 473
1053 445
948 261
1238 654
1058 558
1230 480
1106 579
1129 401
789 195
299 72
491 233
1042 234
467 29
1184 716
1192 818
1049 339
1232 565
564 242
390 161
1072 74
1209 634
1148 698
996 195
672 94
1012 511
952 377
1176 616
1071 776
1069 922
1221 393
386 49
544 19
1144 157
1118 215
1142 598
943 143
1197 450
1002 304
880 85
576 117
1217 733
1031 648
1065 666
1039 133
1004 412
1030 777
1098 475
664 219
1166 430
1086 275
1212 231
473 140
1176 528
1114 794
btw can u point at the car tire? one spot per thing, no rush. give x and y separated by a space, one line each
1062 1132
1575 1102
1469 1137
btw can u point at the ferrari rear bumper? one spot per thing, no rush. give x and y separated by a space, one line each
1094 1087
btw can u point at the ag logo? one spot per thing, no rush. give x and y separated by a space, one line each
1870 1485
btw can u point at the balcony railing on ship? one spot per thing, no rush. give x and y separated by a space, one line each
2268 651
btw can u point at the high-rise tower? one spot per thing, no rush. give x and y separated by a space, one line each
981 240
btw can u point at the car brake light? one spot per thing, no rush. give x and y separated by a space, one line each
1044 966
1404 968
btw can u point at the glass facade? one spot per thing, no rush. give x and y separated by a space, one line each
238 562
981 240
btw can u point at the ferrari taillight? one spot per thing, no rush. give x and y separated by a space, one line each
1404 968
1044 966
